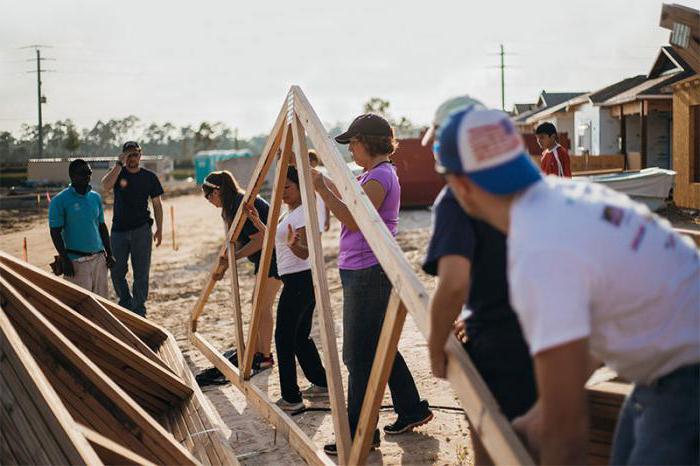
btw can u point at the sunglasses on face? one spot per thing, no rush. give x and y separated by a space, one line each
208 195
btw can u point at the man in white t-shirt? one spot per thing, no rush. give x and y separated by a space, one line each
593 276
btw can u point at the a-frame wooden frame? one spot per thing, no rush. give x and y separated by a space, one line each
296 121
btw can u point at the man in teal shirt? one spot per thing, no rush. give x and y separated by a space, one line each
79 232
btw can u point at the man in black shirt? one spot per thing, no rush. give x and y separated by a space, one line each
131 224
469 258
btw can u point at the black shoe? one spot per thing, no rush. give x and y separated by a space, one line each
402 425
331 449
212 375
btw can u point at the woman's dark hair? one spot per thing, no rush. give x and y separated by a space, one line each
230 190
293 175
378 145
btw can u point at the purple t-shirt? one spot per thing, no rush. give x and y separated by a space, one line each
355 253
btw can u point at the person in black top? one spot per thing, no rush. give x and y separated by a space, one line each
469 258
223 191
132 185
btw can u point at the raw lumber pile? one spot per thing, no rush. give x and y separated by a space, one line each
84 381
604 403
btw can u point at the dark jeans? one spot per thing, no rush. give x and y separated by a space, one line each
294 317
136 243
660 423
500 354
365 298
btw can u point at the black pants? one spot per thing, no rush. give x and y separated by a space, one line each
365 298
500 354
294 317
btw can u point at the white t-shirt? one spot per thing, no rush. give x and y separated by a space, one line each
321 207
287 261
586 261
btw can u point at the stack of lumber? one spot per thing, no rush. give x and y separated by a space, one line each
604 403
84 381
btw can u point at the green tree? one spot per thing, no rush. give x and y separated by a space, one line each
377 105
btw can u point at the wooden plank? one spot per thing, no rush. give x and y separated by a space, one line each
693 234
493 428
236 295
285 425
73 295
43 396
102 345
381 369
256 181
268 248
110 451
323 302
153 435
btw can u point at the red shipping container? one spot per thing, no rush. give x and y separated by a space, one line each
415 167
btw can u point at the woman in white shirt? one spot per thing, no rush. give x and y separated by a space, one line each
296 303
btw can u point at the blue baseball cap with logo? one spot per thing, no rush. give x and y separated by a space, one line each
485 146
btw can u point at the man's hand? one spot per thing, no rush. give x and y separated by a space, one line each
110 260
528 428
221 269
158 237
68 269
438 358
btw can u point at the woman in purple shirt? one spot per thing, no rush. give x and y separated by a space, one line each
366 288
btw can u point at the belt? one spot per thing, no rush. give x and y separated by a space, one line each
88 258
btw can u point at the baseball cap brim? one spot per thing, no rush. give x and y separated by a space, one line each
511 177
344 138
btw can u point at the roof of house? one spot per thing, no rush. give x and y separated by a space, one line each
549 99
612 90
548 103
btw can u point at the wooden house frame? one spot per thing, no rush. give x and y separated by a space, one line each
296 121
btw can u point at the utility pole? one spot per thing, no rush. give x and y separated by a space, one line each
39 101
40 98
503 81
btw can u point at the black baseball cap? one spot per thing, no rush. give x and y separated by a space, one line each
128 145
368 124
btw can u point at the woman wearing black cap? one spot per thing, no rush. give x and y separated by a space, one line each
366 288
223 191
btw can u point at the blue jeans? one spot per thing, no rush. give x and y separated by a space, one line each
136 243
365 298
660 423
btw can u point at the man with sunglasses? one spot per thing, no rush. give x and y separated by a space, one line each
132 185
79 232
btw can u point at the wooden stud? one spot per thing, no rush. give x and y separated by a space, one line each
236 295
285 425
268 248
110 451
381 370
323 303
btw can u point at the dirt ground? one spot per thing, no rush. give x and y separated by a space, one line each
177 278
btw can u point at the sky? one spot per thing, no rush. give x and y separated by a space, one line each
233 61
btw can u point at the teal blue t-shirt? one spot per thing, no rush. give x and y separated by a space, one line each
80 217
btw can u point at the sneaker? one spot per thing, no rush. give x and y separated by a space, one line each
261 362
315 391
332 450
402 425
291 408
210 376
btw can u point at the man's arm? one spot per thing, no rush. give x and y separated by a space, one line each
556 429
104 235
445 305
111 176
158 214
61 249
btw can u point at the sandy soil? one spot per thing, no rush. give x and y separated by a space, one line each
177 278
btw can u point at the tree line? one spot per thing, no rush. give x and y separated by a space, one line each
63 138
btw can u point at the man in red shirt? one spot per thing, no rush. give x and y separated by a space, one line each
555 159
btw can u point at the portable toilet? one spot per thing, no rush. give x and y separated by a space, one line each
203 165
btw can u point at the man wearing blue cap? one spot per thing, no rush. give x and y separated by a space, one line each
598 277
